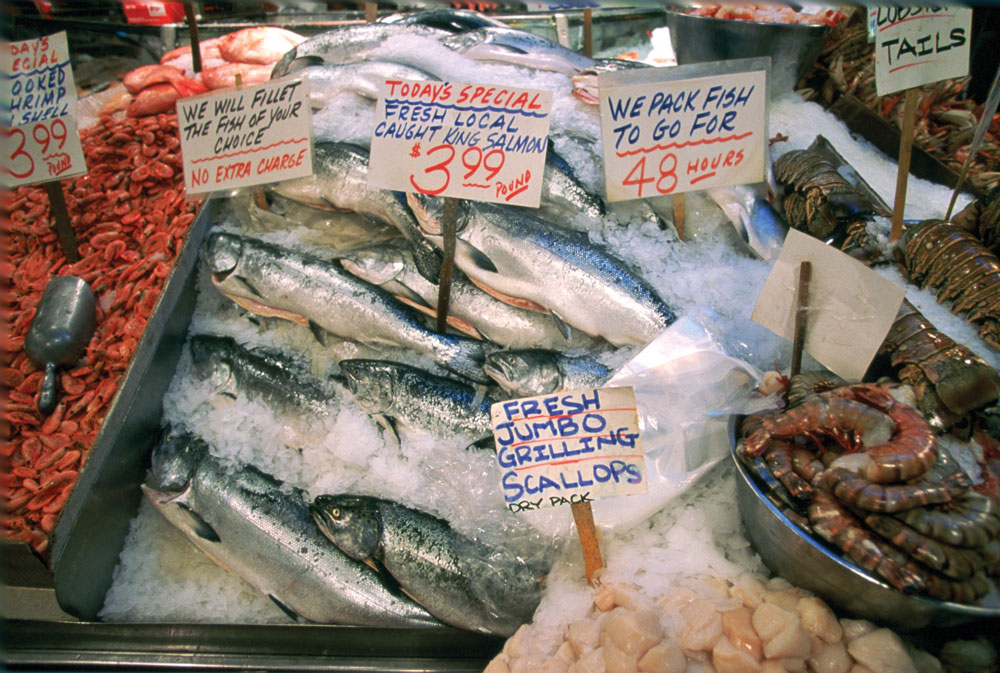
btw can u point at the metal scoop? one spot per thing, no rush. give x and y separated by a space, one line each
60 331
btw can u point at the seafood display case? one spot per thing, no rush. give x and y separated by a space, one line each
90 534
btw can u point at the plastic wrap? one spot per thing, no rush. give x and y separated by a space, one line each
686 387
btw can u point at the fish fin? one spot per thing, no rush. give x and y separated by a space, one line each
322 336
428 261
248 285
294 616
561 325
484 444
478 258
387 425
200 527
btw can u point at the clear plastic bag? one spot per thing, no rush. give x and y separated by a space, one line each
686 388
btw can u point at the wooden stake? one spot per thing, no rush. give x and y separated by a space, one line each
192 22
583 515
679 215
588 31
371 12
905 151
449 216
60 216
801 305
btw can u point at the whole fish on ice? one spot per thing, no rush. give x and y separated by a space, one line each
459 580
262 45
361 78
347 43
527 260
269 280
470 310
263 374
251 525
758 224
517 47
536 371
341 181
418 399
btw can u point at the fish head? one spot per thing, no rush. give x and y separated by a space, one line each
350 522
174 461
211 357
175 508
526 372
430 213
370 383
377 264
223 253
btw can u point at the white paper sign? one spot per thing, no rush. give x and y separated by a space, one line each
920 45
39 141
850 308
470 141
252 136
668 137
568 447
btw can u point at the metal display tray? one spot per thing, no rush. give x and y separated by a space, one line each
91 532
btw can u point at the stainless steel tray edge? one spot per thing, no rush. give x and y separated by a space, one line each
91 530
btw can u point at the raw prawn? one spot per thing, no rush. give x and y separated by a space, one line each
855 490
779 460
831 521
970 520
912 448
955 562
834 415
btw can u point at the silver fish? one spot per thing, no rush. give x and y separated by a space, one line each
253 526
517 47
460 581
519 256
564 197
445 18
470 310
341 181
263 374
585 81
530 372
418 399
273 281
757 223
361 78
346 44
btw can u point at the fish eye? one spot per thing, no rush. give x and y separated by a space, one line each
335 512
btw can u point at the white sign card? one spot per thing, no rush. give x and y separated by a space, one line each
40 141
470 141
243 137
668 131
850 309
568 447
920 45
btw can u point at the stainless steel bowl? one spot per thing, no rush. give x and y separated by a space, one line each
809 563
792 47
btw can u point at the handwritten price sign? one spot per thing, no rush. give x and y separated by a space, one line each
678 135
39 138
470 141
919 45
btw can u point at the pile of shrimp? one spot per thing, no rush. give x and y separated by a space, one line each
768 13
862 470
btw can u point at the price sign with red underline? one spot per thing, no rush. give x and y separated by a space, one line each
243 137
666 133
920 45
568 448
39 138
482 142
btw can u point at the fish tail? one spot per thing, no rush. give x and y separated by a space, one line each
464 356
